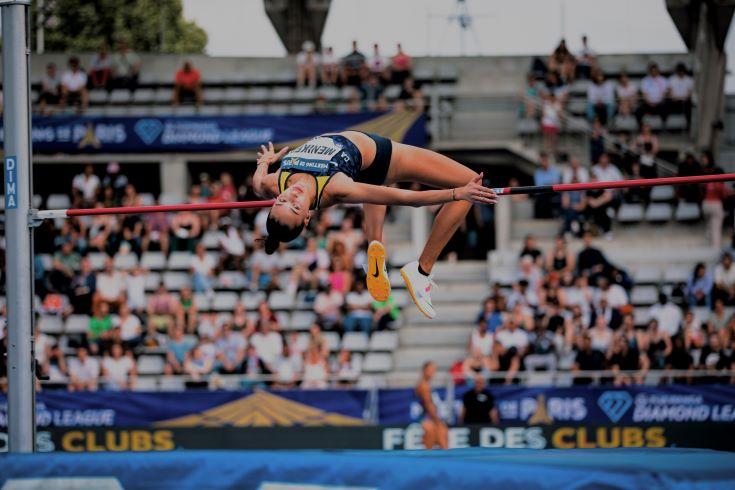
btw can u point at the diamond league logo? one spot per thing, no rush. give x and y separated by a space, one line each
148 130
615 404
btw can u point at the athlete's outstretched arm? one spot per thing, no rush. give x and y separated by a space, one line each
265 184
473 191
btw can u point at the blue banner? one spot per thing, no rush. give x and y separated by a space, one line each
598 404
71 134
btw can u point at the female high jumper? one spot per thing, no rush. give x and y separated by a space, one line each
356 167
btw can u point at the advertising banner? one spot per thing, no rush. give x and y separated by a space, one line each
75 134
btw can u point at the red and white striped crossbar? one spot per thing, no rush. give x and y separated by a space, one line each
501 191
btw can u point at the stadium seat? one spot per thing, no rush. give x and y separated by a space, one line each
332 339
162 111
210 240
644 295
50 324
117 111
171 383
676 122
630 213
230 280
640 316
329 93
503 275
98 97
304 94
301 109
383 341
377 362
213 95
235 94
674 274
176 281
202 301
152 281
97 260
164 96
147 199
687 212
120 96
528 127
210 110
185 111
224 301
578 107
125 262
281 300
148 364
305 300
282 94
155 261
251 300
662 193
654 121
658 213
178 261
144 96
146 383
355 341
258 94
168 198
255 109
577 125
625 123
58 201
302 320
278 109
76 324
647 275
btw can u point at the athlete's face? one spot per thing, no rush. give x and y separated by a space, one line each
292 206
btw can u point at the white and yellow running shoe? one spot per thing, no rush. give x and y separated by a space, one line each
377 273
419 287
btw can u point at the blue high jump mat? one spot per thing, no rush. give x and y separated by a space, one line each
649 469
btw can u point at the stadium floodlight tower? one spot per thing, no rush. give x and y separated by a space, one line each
18 230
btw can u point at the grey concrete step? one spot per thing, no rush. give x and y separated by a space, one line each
414 358
452 313
440 335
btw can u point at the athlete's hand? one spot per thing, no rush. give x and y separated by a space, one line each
475 192
269 155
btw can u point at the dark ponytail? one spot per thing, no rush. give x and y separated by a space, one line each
277 233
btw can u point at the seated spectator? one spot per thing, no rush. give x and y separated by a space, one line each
601 335
345 368
385 313
64 266
693 333
587 359
125 67
55 367
401 66
646 145
553 85
202 270
187 85
481 340
187 311
574 172
177 347
724 280
232 248
591 262
83 288
330 67
477 365
74 87
131 330
626 93
714 358
560 258
316 369
699 286
359 314
715 193
604 171
157 227
718 318
286 369
545 174
110 286
328 305
99 335
603 309
586 60
681 86
119 370
614 294
50 95
312 267
100 69
653 89
161 311
600 99
264 268
531 98
656 343
411 97
667 315
512 346
85 188
197 364
84 372
186 229
562 61
489 320
688 167
373 96
680 359
135 289
268 343
598 139
623 357
307 63
573 207
541 339
551 114
231 347
353 67
378 64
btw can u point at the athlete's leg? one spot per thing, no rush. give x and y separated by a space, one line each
413 164
373 221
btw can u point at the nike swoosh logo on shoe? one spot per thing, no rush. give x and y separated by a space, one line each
377 270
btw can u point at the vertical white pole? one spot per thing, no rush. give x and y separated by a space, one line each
18 234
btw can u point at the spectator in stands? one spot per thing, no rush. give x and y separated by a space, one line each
689 166
477 365
125 67
614 294
197 364
231 349
372 93
715 193
699 286
623 358
345 368
187 85
307 63
724 280
83 287
385 313
562 61
328 305
512 347
488 321
161 310
667 315
84 372
545 175
401 66
74 87
186 229
586 59
118 369
329 67
647 146
202 270
100 334
85 188
378 64
316 369
354 69
587 359
560 259
680 359
50 95
268 343
653 88
600 99
286 368
110 286
411 97
66 262
531 97
681 86
177 347
551 113
591 262
627 94
693 331
604 171
574 172
131 330
359 314
714 357
573 206
100 69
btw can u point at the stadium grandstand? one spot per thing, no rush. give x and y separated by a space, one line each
606 295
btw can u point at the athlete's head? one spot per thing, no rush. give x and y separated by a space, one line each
288 217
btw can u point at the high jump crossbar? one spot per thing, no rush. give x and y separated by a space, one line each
501 191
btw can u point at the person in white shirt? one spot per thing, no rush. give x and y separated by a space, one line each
654 88
627 94
377 63
600 99
614 293
118 369
681 86
513 344
327 305
725 280
286 368
197 364
231 350
330 67
481 340
202 270
551 109
667 314
307 62
233 247
574 172
131 329
74 86
85 187
604 171
110 286
601 335
359 312
135 290
268 343
84 372
586 59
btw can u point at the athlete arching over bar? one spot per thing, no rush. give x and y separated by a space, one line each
356 167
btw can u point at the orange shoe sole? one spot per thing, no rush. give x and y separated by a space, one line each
377 280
